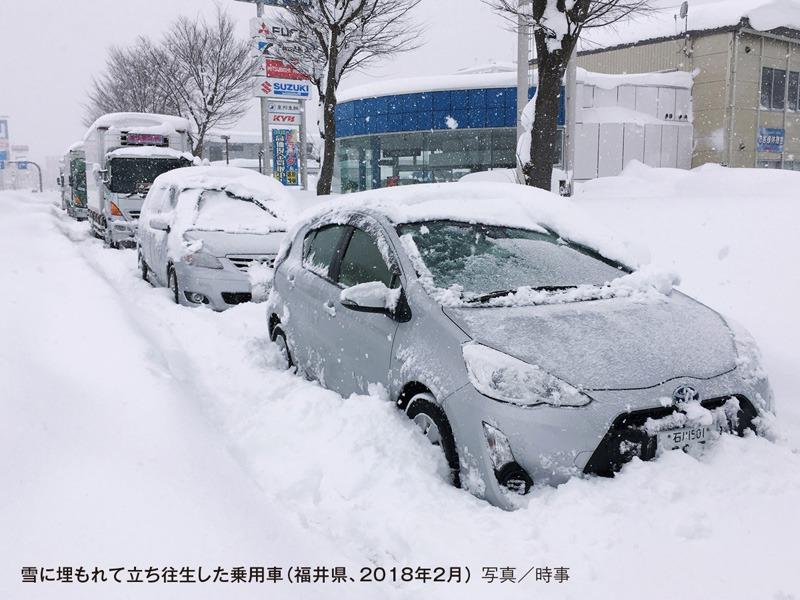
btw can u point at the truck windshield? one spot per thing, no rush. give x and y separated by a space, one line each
132 175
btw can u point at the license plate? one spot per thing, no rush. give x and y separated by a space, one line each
683 439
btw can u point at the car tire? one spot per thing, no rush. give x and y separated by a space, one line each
143 269
172 283
279 339
433 423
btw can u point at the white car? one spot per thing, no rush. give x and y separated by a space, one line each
211 234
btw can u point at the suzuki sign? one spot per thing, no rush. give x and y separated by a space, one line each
270 87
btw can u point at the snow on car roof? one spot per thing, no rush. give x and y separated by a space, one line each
142 122
243 183
502 204
704 15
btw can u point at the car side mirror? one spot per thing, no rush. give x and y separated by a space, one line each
372 296
160 224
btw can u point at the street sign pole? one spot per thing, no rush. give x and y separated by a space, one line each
266 141
303 147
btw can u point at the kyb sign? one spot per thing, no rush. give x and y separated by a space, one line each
284 119
270 87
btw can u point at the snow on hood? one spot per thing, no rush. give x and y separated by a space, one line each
493 204
608 344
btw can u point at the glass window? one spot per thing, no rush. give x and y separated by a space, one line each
769 164
475 259
133 175
363 262
321 247
778 89
766 88
794 90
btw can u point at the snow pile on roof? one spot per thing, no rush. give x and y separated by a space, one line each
149 152
141 123
764 15
504 79
75 147
494 204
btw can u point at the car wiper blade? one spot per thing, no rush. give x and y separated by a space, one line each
490 295
501 293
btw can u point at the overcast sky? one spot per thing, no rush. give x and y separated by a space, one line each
49 51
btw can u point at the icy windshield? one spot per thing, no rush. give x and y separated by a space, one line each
222 211
481 260
133 175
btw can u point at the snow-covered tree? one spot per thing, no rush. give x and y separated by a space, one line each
335 37
557 26
199 70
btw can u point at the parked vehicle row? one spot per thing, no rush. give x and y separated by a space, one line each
526 345
72 182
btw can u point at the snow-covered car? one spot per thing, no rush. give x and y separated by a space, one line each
519 337
211 234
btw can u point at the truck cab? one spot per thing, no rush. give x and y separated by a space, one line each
125 152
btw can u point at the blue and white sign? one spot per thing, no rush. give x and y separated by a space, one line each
285 155
22 165
771 140
2 165
282 88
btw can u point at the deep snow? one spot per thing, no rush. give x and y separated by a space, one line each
138 432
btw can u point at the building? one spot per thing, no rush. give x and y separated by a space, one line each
745 57
434 129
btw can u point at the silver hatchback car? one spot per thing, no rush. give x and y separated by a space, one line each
518 339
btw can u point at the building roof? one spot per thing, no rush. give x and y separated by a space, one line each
704 15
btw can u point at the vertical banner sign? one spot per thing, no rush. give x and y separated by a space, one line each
285 154
3 140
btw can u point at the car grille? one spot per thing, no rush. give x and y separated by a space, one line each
627 438
243 261
236 297
134 214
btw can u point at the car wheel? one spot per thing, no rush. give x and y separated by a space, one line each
172 282
279 339
432 422
143 268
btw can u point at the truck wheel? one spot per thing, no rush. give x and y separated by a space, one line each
433 423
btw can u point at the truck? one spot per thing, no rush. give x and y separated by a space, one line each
72 181
125 152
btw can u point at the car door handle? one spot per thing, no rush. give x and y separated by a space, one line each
330 308
290 279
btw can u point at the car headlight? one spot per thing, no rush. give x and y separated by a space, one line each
509 379
202 259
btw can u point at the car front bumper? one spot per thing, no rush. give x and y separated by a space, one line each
222 288
123 233
553 444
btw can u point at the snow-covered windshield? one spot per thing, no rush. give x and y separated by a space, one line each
222 211
132 175
481 260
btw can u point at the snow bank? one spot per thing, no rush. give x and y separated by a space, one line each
142 123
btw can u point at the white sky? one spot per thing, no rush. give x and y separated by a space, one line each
49 51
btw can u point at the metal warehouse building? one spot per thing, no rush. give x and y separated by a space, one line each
746 62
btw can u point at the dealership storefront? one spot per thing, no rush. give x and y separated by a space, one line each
426 130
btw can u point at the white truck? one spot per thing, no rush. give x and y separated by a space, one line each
125 152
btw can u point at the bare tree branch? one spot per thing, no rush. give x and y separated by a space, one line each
336 37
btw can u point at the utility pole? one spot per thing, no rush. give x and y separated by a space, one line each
523 83
571 87
227 153
266 142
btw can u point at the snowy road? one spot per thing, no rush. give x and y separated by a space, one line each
184 446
